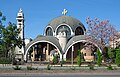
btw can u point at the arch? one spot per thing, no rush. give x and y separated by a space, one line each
25 56
80 41
71 31
79 31
48 27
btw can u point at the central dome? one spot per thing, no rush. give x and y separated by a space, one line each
72 22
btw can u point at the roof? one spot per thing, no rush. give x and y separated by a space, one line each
73 40
72 22
49 39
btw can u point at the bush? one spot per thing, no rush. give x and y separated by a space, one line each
109 67
4 60
91 67
17 68
29 68
79 58
118 57
73 68
55 60
48 67
112 55
99 58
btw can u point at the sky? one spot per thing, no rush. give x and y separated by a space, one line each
39 12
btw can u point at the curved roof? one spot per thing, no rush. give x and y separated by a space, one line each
72 22
75 39
49 39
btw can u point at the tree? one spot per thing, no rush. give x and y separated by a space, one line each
99 57
55 59
8 37
112 55
99 32
118 57
79 58
2 19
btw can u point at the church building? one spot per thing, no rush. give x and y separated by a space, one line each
63 36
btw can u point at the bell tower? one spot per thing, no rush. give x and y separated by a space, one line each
20 25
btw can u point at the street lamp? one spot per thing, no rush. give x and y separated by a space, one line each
72 54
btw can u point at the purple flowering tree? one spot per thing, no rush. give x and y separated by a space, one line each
100 32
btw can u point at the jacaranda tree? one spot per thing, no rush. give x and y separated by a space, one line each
99 32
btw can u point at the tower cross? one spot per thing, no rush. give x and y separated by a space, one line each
20 10
64 12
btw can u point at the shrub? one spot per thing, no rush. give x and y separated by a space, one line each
109 67
4 60
73 68
79 58
118 57
29 68
17 67
55 60
91 67
112 55
99 58
48 67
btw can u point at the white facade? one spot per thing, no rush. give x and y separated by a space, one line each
62 39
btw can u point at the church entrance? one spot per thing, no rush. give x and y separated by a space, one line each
87 55
77 47
41 52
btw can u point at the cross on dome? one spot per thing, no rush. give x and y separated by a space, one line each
64 12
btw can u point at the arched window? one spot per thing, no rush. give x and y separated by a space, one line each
49 32
64 27
79 31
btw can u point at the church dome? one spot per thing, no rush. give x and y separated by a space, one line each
72 22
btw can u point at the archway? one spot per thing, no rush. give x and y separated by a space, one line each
78 45
43 51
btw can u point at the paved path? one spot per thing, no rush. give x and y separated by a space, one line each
60 75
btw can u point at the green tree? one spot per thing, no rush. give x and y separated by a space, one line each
79 58
118 57
2 19
112 54
55 59
99 57
8 37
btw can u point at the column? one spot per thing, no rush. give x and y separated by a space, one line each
33 53
47 52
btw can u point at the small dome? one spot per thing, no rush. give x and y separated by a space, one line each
72 22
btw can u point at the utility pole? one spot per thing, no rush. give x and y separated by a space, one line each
72 55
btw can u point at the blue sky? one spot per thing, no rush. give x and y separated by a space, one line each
39 12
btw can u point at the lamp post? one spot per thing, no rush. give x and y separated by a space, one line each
72 55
